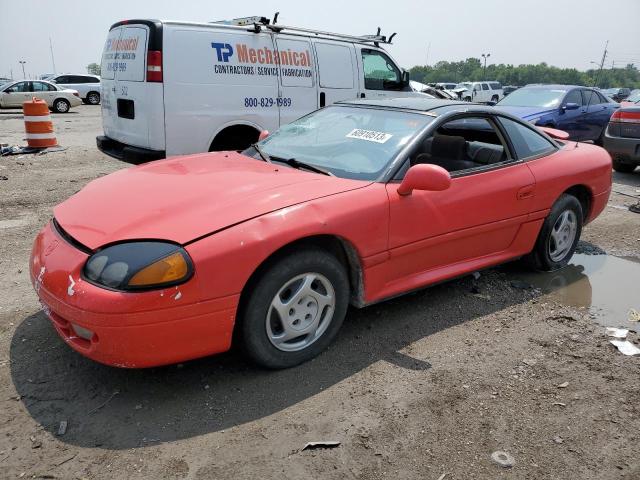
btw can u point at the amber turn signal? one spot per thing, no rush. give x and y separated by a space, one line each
169 269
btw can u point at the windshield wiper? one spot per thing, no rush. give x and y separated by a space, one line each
262 154
292 162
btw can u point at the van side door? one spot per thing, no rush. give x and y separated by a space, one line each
379 75
337 71
298 84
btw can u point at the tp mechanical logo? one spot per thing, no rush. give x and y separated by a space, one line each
223 50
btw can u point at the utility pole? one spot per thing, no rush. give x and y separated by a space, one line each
485 56
604 57
22 62
428 52
52 60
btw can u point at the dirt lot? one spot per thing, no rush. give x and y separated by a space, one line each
426 386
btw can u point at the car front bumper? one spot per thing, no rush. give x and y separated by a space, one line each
126 329
127 153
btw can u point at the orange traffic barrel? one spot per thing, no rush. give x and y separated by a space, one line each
38 124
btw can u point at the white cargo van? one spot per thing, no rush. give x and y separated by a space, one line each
172 88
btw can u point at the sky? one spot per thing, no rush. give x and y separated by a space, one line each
563 33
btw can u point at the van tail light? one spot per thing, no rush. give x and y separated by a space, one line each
154 66
623 116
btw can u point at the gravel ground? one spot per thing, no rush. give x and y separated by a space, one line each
426 385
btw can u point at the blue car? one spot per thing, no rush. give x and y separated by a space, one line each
580 111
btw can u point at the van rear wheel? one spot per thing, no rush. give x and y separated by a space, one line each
93 98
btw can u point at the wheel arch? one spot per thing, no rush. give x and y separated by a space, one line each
337 246
584 196
231 129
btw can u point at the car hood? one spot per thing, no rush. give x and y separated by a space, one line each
184 198
526 113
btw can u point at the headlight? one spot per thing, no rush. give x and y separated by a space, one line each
533 121
139 265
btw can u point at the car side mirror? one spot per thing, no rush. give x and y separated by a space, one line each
571 106
263 134
424 176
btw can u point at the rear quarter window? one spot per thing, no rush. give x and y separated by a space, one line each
526 142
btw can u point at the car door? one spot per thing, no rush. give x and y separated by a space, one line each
481 212
43 91
379 75
298 83
572 121
337 71
15 95
597 114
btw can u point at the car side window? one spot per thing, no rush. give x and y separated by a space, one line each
573 97
41 87
463 145
380 73
526 141
20 87
63 79
590 97
485 86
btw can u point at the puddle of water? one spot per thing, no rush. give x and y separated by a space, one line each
608 285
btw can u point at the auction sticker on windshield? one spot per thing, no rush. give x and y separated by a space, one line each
369 135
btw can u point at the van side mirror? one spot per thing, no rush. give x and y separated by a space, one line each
424 176
405 78
263 134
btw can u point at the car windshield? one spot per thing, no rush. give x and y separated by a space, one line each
349 142
534 97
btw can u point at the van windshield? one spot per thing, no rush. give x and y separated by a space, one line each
350 142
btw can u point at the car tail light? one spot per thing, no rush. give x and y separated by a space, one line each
154 66
625 117
76 94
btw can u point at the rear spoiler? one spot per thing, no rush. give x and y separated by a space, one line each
555 133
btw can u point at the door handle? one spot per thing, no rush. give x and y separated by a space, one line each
525 192
362 95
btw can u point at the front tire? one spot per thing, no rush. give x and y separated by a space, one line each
61 105
558 236
295 309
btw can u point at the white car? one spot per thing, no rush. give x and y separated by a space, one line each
480 92
60 100
88 86
174 88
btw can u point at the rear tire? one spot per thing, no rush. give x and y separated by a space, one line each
495 98
558 236
623 167
294 309
93 98
61 105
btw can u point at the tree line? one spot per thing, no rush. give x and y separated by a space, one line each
471 69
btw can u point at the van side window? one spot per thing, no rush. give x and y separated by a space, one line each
380 73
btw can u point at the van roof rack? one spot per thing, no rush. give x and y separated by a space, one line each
258 22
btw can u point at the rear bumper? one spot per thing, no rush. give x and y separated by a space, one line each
623 149
127 153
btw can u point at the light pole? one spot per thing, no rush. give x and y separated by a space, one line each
22 62
485 56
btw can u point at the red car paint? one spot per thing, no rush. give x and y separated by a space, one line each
396 243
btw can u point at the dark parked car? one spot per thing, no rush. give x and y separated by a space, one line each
622 138
580 111
617 94
509 89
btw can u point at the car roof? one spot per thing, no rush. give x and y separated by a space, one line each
432 106
556 86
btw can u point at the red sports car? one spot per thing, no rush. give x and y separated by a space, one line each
352 204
